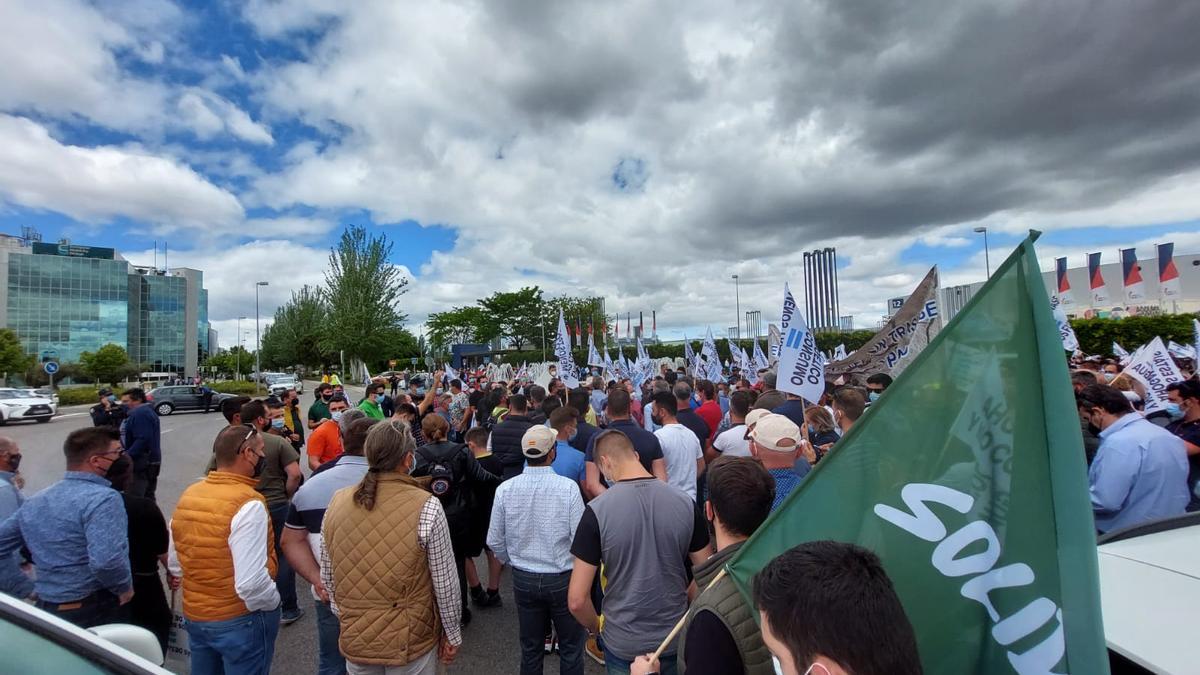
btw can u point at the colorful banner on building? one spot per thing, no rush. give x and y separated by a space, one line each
1168 275
1096 280
1131 277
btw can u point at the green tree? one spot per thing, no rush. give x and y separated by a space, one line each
515 316
457 326
294 338
13 358
575 309
227 362
362 291
108 364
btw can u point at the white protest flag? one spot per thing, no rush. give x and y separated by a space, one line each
1180 351
594 358
1119 351
1065 332
760 359
801 365
451 373
839 352
642 356
774 339
1153 366
1196 340
712 365
567 371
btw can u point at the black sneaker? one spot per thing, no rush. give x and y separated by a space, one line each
478 596
466 616
492 600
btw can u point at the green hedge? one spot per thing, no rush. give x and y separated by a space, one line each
78 396
236 387
1097 335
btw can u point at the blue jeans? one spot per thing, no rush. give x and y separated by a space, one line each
542 599
285 577
241 646
615 665
328 630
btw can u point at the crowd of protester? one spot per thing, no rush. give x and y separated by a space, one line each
613 508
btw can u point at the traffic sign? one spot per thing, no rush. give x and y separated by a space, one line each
414 360
51 367
391 363
429 361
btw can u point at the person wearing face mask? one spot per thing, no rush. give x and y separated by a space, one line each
848 405
876 385
844 590
76 532
568 462
13 580
1140 471
372 403
108 412
318 412
388 555
142 439
279 481
1184 409
148 541
230 601
325 443
721 635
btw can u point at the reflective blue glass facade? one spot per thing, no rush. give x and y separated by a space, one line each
69 305
157 312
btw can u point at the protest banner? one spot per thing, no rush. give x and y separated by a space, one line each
904 335
801 364
562 351
968 480
1153 366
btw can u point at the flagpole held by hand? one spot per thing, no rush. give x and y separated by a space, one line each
679 626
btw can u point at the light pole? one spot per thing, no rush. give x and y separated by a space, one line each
239 353
257 338
737 302
986 255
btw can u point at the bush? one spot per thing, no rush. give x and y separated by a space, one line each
1097 335
78 396
243 387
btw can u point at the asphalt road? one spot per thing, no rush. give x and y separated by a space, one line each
490 642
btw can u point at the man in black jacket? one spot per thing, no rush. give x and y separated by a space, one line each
107 413
456 476
506 436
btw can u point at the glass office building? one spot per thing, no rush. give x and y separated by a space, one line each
66 300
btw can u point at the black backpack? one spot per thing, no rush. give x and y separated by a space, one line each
441 471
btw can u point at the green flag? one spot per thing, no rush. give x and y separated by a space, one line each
967 478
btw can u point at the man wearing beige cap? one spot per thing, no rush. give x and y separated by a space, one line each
776 442
534 518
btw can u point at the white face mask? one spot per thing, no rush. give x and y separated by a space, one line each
779 667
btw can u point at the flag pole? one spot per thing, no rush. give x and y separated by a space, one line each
679 626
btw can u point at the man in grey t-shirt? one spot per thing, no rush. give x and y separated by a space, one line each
635 529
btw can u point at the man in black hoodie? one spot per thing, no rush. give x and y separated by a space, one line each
506 436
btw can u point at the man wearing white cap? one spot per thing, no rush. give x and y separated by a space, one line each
534 518
776 442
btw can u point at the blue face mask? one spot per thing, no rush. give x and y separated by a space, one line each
1174 411
112 399
277 423
812 430
873 396
379 398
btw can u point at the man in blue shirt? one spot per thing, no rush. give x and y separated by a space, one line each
568 462
12 579
776 442
646 445
76 531
1140 470
140 435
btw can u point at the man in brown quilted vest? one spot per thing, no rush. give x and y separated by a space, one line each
388 565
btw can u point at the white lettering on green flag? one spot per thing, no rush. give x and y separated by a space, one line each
968 480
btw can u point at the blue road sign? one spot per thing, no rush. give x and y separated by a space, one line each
51 367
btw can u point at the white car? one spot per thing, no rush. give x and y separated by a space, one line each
22 404
1149 595
37 642
281 383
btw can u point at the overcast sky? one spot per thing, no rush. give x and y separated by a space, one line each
644 151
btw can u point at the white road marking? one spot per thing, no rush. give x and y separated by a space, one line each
70 415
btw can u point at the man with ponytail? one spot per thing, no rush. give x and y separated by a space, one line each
388 565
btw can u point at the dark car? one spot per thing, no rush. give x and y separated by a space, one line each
167 400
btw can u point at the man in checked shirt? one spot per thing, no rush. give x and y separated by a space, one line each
388 565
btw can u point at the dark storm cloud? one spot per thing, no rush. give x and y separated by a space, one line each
1003 107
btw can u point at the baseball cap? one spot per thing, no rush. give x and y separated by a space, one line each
538 441
755 415
776 432
106 392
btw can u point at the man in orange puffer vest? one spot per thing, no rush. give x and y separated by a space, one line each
222 551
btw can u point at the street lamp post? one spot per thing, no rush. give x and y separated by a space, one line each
239 344
257 336
737 302
986 255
